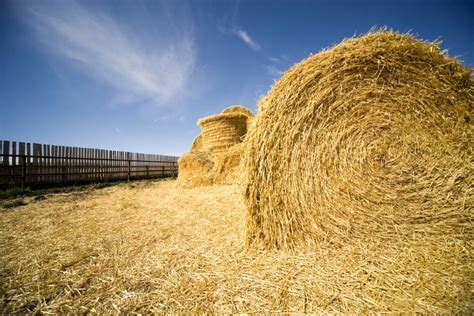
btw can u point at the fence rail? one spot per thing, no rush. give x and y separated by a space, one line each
29 164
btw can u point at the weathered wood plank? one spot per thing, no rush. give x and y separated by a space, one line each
21 149
89 164
34 166
53 163
81 163
6 151
40 162
97 164
74 164
1 151
28 153
13 160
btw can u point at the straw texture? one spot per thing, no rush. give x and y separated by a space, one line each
195 168
222 131
227 165
368 140
238 109
197 143
216 153
152 247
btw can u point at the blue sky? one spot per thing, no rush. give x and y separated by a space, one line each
137 75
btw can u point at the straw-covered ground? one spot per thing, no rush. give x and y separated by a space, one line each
153 246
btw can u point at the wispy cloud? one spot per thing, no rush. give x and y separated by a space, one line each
170 117
275 59
274 71
245 37
111 53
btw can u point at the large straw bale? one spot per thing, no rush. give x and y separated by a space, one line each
222 131
215 154
368 140
240 109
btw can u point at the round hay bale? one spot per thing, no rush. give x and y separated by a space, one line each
238 109
195 169
371 138
222 131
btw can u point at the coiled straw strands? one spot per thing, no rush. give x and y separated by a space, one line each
372 136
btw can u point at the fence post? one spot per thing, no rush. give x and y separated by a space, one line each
23 171
163 171
128 177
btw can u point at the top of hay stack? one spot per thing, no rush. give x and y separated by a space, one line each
238 109
231 112
222 116
218 146
224 130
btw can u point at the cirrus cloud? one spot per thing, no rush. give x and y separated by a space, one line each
245 37
110 52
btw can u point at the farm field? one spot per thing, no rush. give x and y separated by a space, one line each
152 246
237 157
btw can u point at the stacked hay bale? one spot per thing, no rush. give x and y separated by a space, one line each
222 131
240 109
216 153
369 143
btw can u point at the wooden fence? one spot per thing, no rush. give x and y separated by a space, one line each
26 164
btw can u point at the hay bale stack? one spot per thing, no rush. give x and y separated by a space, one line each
216 153
222 131
368 140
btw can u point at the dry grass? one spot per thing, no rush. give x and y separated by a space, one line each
155 247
